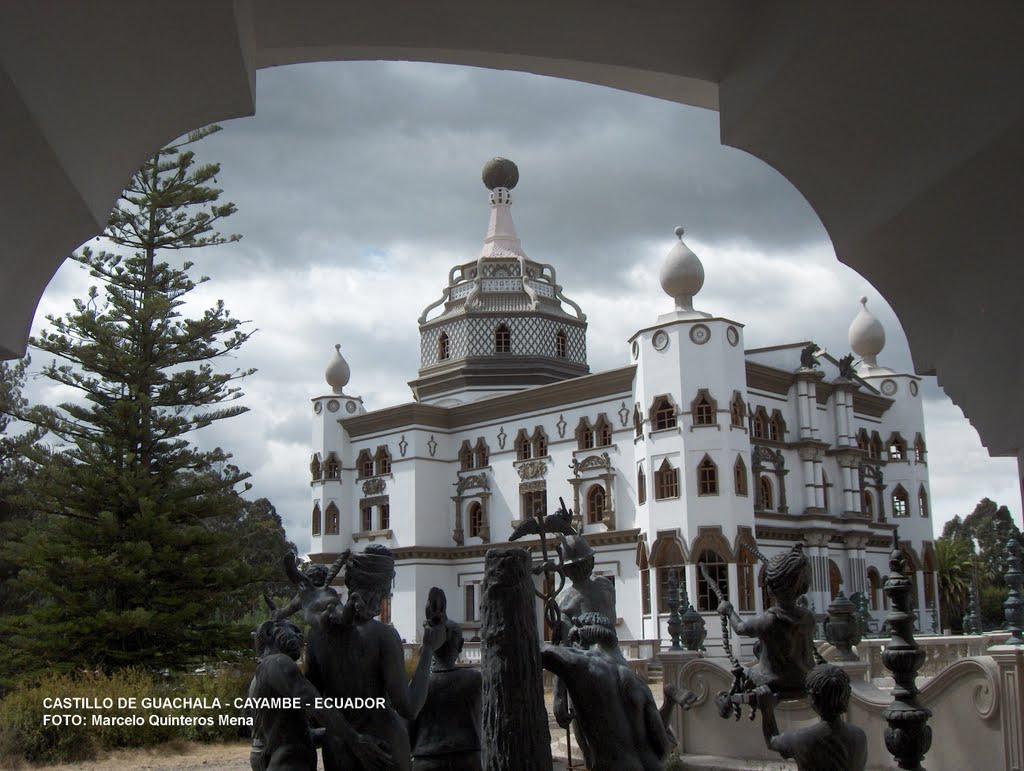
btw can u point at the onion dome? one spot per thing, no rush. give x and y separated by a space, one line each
682 276
338 372
866 336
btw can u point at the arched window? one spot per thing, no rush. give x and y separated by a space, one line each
332 467
443 347
332 520
704 409
502 339
928 575
922 501
920 451
669 556
719 571
596 504
864 442
476 519
383 461
874 586
663 415
835 578
522 445
561 344
900 502
316 519
540 443
737 411
777 427
365 464
641 486
739 476
482 453
867 504
876 446
638 421
465 456
584 435
707 477
602 432
765 495
897 447
314 469
759 425
745 580
824 488
666 481
645 581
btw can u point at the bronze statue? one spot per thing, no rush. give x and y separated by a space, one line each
445 736
846 369
785 631
315 595
282 739
809 356
832 744
622 726
356 657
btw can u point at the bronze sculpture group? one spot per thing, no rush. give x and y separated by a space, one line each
371 717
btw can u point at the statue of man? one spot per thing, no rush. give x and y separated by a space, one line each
446 734
616 712
832 744
785 631
355 656
281 738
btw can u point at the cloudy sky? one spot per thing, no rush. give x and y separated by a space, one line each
358 187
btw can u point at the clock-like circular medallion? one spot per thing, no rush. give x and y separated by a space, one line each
660 340
350 406
318 408
913 388
732 335
888 387
700 333
636 350
332 405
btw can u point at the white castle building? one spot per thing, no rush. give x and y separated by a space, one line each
692 449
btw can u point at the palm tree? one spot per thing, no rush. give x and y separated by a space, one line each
955 560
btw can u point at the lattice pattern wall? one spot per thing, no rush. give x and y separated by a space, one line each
531 336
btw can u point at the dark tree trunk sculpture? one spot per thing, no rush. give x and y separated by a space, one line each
515 721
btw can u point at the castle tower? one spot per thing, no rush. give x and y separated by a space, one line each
503 326
331 461
690 420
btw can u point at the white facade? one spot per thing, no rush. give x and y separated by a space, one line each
690 450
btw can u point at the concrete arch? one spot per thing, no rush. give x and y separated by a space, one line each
909 147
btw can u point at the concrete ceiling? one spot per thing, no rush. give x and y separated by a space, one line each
902 125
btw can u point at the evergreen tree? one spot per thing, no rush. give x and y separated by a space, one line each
133 555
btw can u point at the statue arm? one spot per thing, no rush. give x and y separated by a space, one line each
558 660
560 704
407 698
290 609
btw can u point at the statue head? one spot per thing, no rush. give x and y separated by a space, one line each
788 575
828 687
369 575
577 556
593 628
281 636
449 652
317 574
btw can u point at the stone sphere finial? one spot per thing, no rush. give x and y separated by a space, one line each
866 336
338 371
682 274
500 172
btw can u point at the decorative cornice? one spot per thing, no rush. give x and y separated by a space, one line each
610 538
765 378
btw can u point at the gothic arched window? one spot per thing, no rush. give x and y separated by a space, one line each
707 477
561 344
502 339
596 504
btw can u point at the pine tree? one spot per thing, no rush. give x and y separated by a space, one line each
132 555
